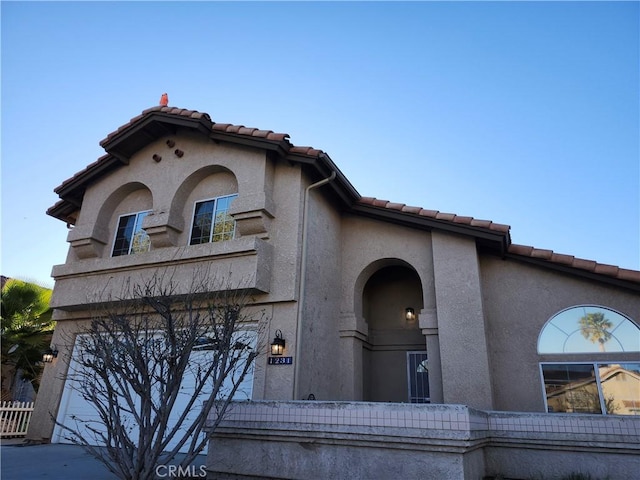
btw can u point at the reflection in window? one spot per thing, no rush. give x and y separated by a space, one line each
130 237
621 387
589 329
612 388
571 388
212 222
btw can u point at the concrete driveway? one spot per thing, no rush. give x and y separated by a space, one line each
56 462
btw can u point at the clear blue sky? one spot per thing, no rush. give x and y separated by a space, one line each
521 113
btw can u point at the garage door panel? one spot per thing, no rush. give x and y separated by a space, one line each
81 415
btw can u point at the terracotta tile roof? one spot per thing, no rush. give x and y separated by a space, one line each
241 130
67 191
219 127
448 217
513 249
92 166
183 112
253 132
579 263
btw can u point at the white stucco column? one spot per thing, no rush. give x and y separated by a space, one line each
466 377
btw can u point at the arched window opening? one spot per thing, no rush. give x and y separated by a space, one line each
589 329
611 386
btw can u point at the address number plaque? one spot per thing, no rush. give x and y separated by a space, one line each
280 361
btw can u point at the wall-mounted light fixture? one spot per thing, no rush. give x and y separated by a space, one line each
277 346
409 314
50 354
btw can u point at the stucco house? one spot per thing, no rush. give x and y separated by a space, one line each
426 339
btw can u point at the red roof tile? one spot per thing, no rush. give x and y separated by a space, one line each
538 253
428 213
631 275
408 209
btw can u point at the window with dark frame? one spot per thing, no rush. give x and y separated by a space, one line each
130 236
211 221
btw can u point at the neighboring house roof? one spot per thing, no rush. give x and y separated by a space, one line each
157 122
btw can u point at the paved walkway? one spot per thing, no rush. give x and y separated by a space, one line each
52 462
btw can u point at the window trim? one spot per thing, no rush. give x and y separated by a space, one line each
115 235
211 233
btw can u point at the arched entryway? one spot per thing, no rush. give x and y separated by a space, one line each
394 363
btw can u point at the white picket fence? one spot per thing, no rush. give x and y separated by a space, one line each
14 418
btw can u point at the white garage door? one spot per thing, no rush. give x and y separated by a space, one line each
79 414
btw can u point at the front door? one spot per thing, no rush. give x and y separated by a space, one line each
418 377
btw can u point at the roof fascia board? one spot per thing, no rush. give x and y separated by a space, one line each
618 282
82 179
62 211
278 146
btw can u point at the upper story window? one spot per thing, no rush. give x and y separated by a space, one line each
130 237
212 222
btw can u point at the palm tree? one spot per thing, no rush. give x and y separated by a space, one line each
26 327
594 327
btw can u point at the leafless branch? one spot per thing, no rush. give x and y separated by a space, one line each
154 363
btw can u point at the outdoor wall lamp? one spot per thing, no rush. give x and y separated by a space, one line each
409 314
50 354
277 346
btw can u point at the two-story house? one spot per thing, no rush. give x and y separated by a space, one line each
377 301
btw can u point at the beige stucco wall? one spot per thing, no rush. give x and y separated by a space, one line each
519 299
263 257
461 322
368 246
319 368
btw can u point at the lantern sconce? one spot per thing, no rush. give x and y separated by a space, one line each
50 354
409 314
277 346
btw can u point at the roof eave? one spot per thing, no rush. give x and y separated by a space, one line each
123 144
571 270
63 210
75 187
497 241
324 167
